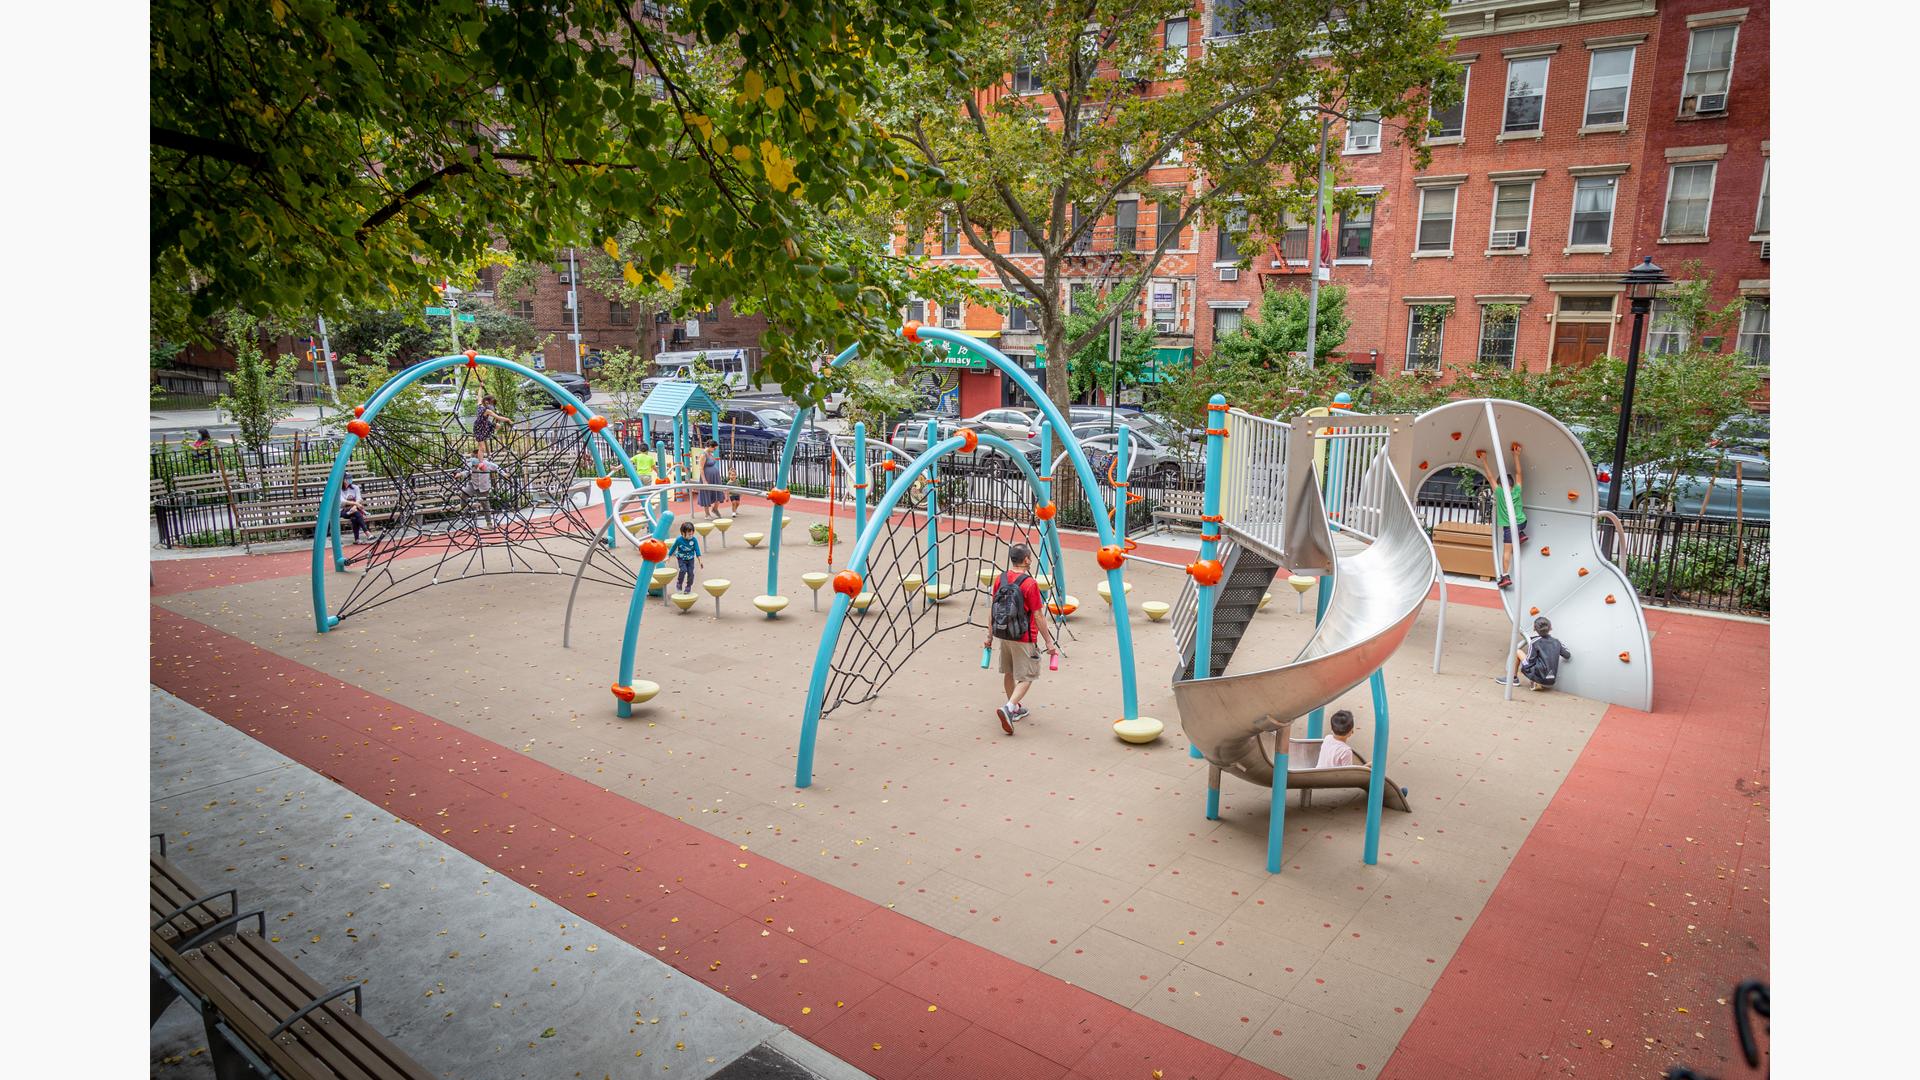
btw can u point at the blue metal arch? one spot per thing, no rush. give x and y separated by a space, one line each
328 520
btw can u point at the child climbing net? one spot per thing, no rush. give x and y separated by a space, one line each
456 511
910 599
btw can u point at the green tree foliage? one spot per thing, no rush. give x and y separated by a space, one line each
1278 331
1091 368
616 386
1053 158
874 394
310 154
259 389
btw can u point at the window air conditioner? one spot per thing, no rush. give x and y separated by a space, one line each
1710 103
1229 273
1363 142
1509 238
1766 249
951 322
1163 326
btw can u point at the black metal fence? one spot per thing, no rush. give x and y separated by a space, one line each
1711 563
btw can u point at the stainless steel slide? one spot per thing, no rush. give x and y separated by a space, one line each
1377 595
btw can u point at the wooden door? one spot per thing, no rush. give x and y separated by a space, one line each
1577 343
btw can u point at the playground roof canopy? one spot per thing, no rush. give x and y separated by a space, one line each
674 396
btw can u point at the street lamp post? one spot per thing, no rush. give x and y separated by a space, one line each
1643 283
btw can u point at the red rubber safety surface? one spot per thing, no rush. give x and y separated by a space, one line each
1634 906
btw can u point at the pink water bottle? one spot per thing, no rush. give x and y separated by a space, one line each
1053 660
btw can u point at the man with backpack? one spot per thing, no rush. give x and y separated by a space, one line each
1016 624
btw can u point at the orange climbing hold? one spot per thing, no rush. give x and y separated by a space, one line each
1545 551
911 331
1423 466
779 496
1533 611
1044 512
1583 571
624 693
1481 454
360 428
969 440
1205 571
653 549
1625 658
1573 496
1456 436
596 423
1110 557
1610 598
847 582
603 482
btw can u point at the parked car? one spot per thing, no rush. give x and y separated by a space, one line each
1009 422
535 394
1652 488
911 437
444 396
755 426
1166 465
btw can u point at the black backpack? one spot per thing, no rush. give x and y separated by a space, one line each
1010 622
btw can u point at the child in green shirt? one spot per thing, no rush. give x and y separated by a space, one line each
1518 520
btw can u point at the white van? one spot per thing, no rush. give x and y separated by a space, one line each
679 365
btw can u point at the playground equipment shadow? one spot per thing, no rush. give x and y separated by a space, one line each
1060 848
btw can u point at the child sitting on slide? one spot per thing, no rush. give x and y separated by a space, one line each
1334 751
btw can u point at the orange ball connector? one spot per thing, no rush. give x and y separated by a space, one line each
624 693
359 410
969 440
653 549
603 482
596 423
1583 571
1044 512
568 409
911 331
1110 557
360 428
889 465
779 496
847 583
1205 571
472 354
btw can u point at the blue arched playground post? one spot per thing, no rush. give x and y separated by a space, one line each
929 578
327 521
636 607
1207 596
859 477
1377 774
1116 586
1049 553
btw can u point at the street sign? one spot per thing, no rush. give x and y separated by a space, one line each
573 337
464 318
438 311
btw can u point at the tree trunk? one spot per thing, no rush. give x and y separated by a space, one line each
1058 386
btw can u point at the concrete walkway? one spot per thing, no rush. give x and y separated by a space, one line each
468 971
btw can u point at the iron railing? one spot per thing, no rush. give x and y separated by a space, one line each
1710 563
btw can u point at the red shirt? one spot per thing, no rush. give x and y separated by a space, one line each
1030 595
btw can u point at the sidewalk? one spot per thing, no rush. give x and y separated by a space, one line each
469 972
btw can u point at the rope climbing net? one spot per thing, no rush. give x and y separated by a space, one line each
525 506
928 573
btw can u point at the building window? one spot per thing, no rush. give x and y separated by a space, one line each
1499 335
1233 225
1018 244
561 271
1709 70
1082 235
916 245
1167 219
619 314
1593 210
1026 80
1226 322
1526 94
1174 37
1512 213
1666 330
523 308
1356 232
1126 224
917 311
954 316
1689 200
1081 299
1426 332
1760 215
1436 218
1453 121
1163 304
949 235
1230 21
1609 76
1363 134
1293 242
1020 318
1754 335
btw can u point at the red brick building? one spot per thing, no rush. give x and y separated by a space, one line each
1593 132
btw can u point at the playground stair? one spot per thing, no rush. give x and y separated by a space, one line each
1248 574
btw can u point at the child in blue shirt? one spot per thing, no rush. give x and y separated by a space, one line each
686 550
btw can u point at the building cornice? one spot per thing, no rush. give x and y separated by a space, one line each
1478 18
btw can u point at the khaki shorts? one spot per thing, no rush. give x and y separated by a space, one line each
1021 659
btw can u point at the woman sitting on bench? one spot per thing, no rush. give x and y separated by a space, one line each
353 506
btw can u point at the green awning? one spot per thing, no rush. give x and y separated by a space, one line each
1168 362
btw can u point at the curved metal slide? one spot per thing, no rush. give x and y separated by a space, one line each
1377 595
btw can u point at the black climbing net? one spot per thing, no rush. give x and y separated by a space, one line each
442 514
979 513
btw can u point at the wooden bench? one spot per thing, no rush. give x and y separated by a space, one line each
264 1016
1464 548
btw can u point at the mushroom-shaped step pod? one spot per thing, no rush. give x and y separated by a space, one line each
1066 607
772 605
716 587
643 691
1107 593
661 575
939 591
684 600
988 575
704 528
912 582
1265 599
862 602
722 525
1156 609
753 539
1143 729
1300 586
1044 583
813 580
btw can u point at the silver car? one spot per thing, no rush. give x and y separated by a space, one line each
1165 464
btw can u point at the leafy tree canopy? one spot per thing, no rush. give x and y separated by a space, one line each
308 155
1092 368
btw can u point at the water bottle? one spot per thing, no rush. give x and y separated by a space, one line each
1053 660
986 657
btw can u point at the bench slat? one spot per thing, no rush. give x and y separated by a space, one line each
346 1043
